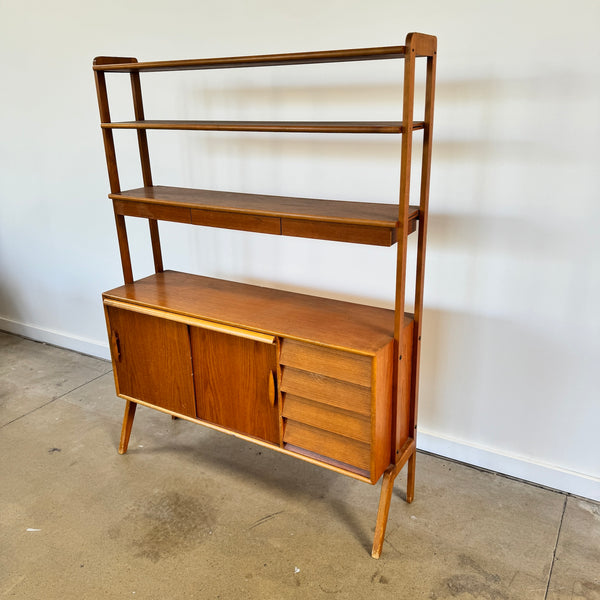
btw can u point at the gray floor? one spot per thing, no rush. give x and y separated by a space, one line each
190 513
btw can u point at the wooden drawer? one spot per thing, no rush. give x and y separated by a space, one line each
337 447
326 390
345 366
240 221
335 420
341 232
336 405
150 210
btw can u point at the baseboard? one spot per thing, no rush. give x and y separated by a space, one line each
56 338
544 474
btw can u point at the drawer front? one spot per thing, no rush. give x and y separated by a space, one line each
337 447
345 366
243 222
329 418
327 406
326 390
341 232
150 210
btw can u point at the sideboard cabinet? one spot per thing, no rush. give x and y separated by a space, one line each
329 382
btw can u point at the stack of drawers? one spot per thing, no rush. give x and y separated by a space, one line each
336 404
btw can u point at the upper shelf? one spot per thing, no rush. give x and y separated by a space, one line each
102 63
356 222
270 126
417 44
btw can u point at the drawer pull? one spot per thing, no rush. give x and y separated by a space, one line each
116 344
272 388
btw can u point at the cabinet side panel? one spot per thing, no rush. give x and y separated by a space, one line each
152 360
382 411
404 387
231 378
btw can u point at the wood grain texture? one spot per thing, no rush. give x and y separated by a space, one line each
329 418
193 321
382 413
326 390
152 361
339 232
128 417
232 378
329 444
402 427
124 248
161 212
373 214
421 247
267 126
216 218
103 63
354 222
346 366
340 325
387 487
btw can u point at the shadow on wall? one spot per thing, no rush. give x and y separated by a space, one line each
499 383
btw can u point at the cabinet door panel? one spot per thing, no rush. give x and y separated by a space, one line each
152 360
233 379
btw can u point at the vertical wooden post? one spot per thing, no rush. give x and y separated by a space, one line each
111 160
404 199
421 244
404 450
138 108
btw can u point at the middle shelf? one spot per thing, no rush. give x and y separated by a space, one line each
270 126
336 220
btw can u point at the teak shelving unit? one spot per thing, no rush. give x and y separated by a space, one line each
330 382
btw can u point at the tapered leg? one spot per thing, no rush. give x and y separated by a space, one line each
127 424
410 483
387 487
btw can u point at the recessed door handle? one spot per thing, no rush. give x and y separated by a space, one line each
116 344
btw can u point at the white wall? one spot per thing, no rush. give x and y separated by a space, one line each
512 326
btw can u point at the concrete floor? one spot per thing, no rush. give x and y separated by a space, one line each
190 513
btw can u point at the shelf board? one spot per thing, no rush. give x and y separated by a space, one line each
264 60
344 325
272 126
357 222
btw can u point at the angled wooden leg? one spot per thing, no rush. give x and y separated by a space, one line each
410 483
387 487
127 424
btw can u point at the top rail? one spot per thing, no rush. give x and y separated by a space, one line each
107 64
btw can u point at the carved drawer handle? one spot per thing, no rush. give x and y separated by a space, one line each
273 388
116 344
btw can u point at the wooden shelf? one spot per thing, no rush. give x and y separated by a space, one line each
359 222
345 325
272 126
265 60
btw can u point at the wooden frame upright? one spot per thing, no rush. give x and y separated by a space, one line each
393 426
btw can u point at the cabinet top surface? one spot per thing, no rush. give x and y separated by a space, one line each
353 327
